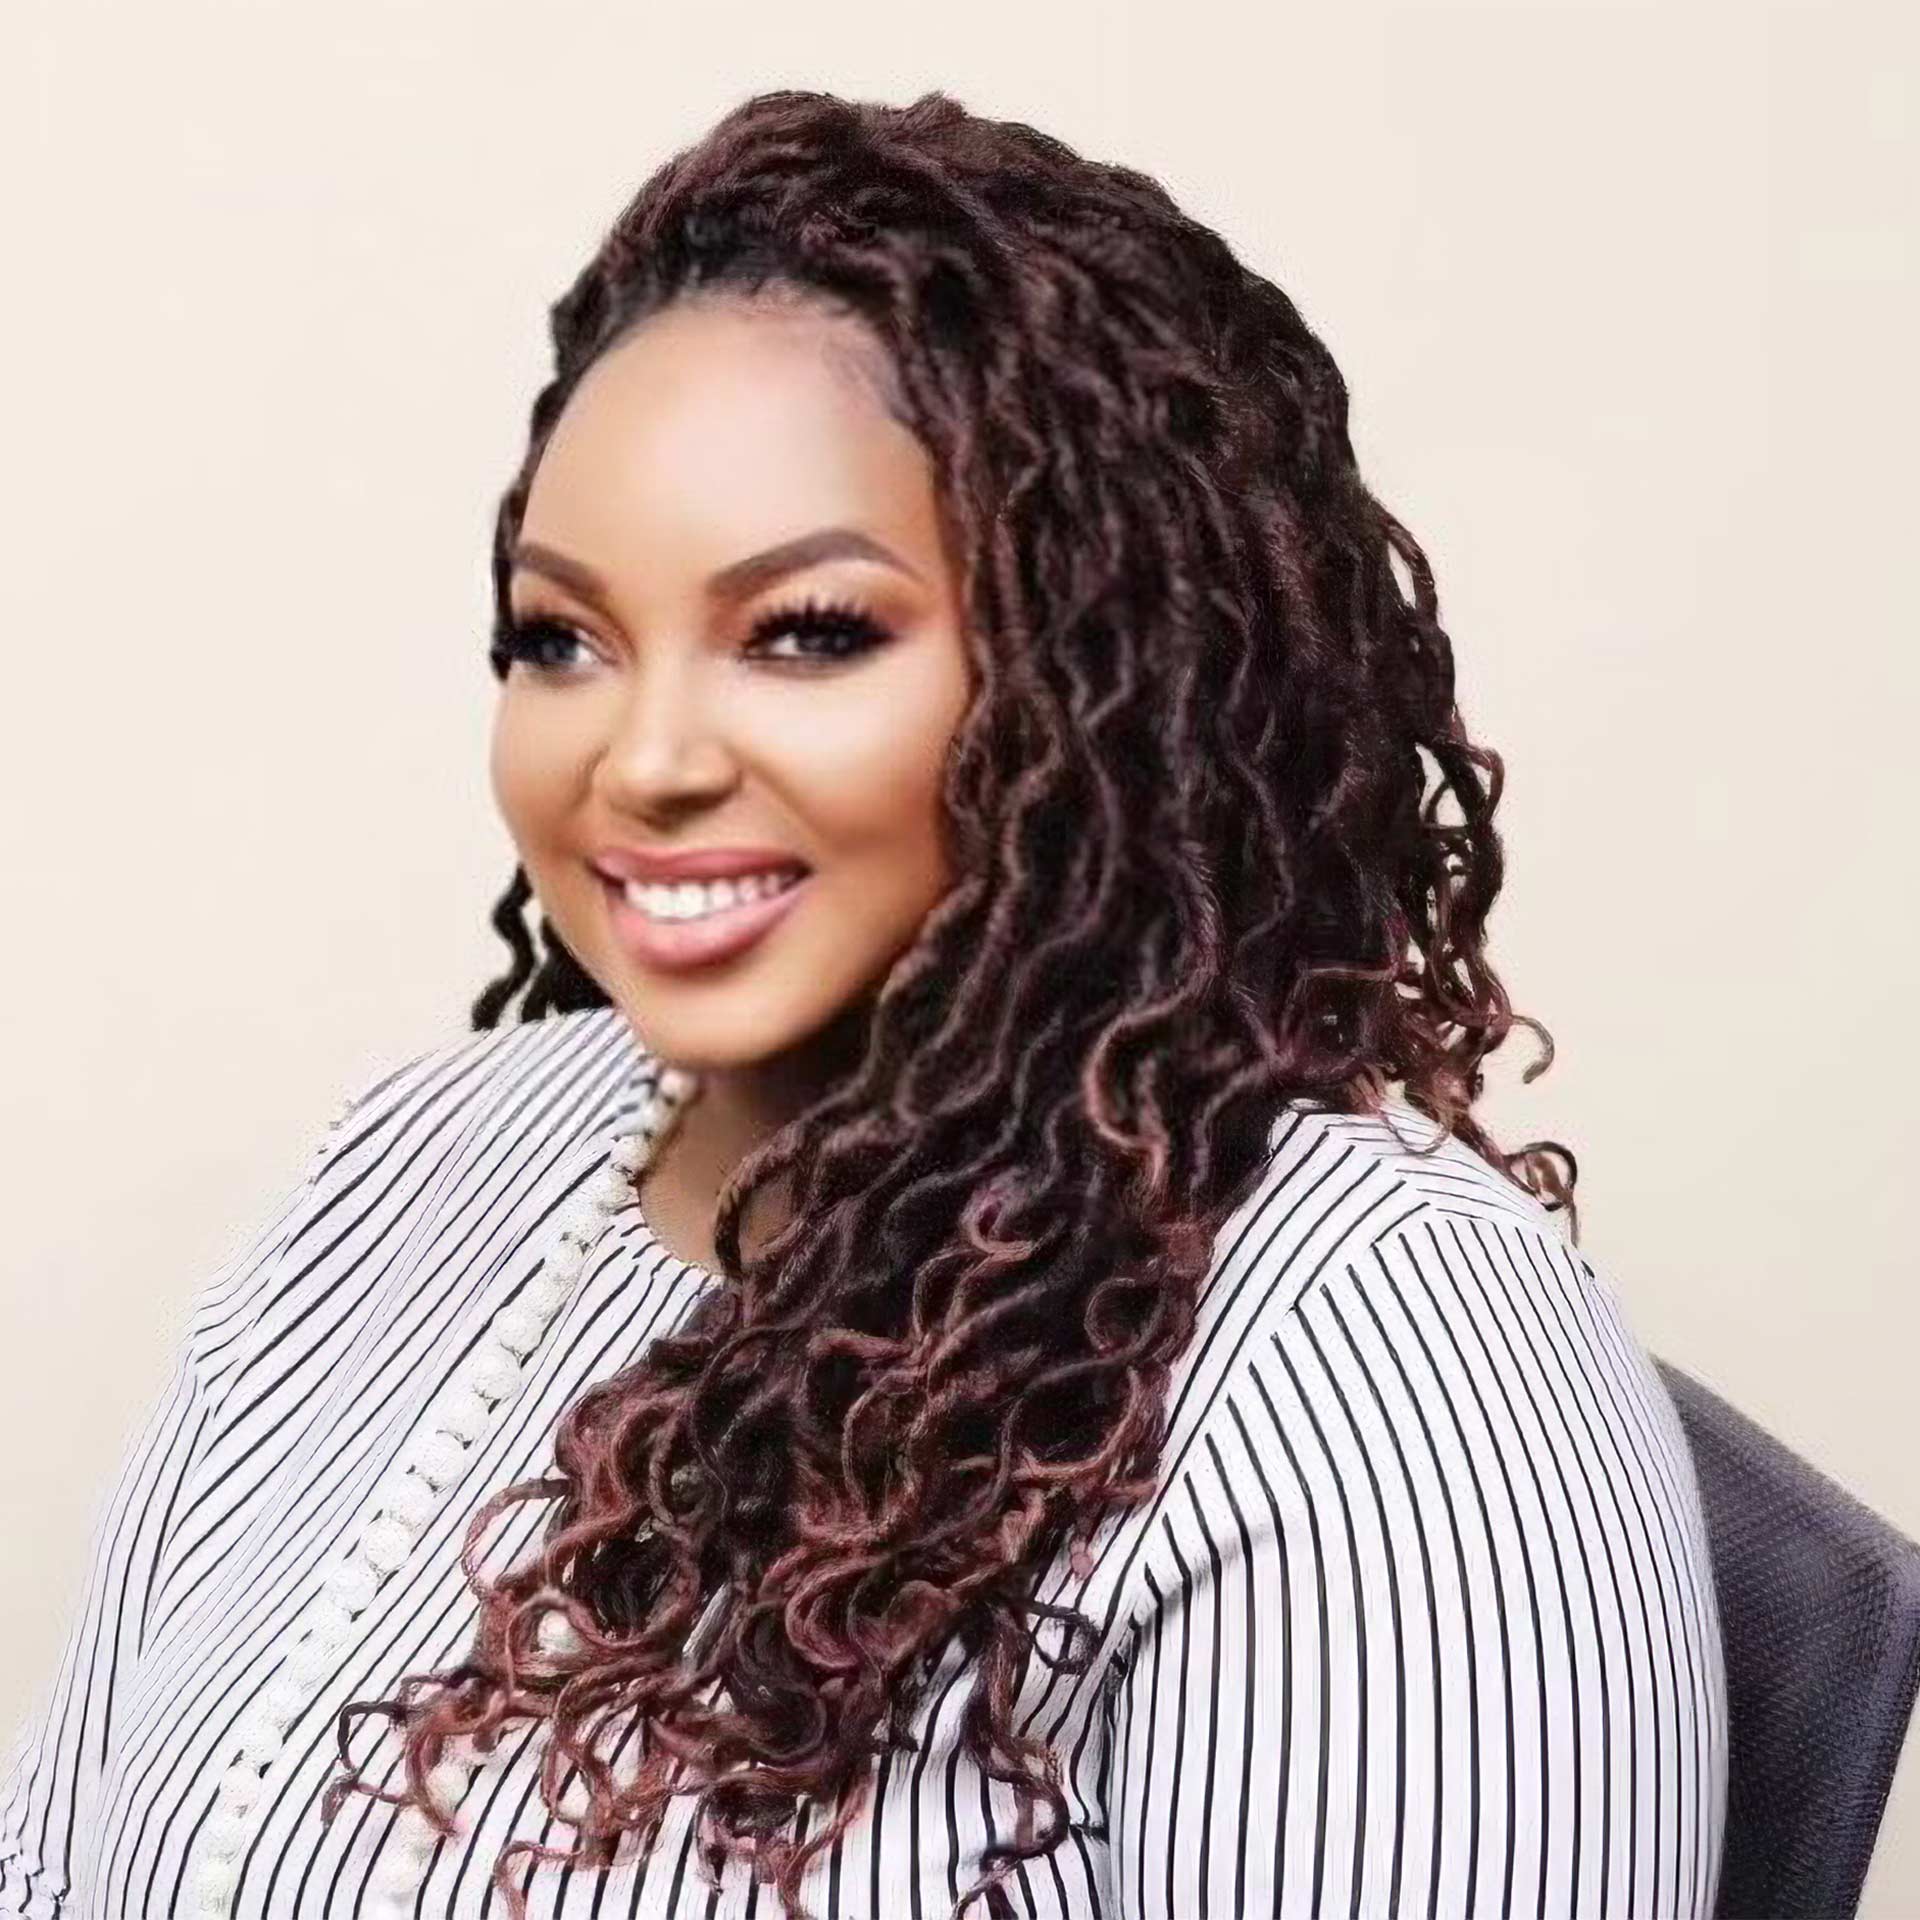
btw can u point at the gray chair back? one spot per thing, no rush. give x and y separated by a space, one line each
1820 1619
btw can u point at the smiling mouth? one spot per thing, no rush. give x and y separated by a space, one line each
702 938
676 903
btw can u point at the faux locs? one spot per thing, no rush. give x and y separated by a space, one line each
1201 877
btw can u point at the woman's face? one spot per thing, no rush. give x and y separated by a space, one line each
671 707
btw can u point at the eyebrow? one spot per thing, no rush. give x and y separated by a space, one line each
736 581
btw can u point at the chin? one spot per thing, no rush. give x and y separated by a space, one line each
722 1031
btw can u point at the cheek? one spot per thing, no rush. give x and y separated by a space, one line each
873 778
527 765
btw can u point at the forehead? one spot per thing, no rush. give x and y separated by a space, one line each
714 428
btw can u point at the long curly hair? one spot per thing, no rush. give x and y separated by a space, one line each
1199 879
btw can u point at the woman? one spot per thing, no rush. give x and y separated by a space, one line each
930 1370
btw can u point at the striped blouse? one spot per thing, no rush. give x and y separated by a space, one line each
1419 1622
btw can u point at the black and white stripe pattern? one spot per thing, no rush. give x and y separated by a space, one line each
1419 1623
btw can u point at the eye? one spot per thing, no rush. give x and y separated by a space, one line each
829 633
531 640
833 631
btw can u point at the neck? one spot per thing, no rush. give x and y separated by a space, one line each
734 1112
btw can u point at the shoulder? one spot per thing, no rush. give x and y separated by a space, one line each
479 1122
1373 1279
1335 1191
578 1068
1389 1342
1425 1517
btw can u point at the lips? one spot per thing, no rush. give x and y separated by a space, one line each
679 946
663 868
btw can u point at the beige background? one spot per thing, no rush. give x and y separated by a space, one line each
1626 297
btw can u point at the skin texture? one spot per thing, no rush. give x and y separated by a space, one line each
715 430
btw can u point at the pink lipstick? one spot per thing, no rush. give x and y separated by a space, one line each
677 946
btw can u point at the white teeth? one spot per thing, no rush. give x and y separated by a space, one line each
693 899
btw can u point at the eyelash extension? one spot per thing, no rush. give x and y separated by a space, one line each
838 620
852 631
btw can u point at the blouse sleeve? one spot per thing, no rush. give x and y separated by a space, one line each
56 1761
1428 1627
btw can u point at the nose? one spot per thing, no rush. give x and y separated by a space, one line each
667 750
